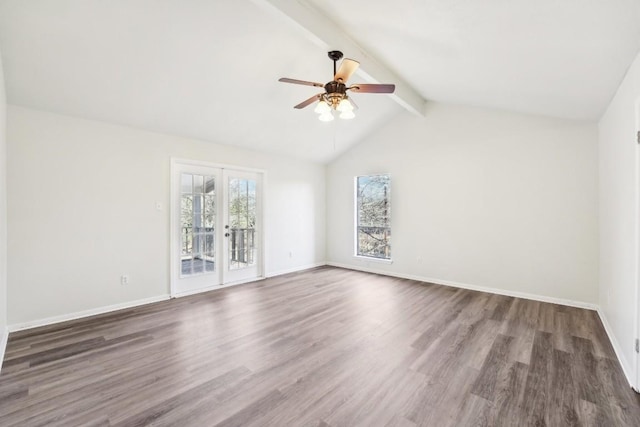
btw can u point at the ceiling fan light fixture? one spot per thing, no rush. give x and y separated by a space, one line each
322 107
347 115
334 97
345 106
326 117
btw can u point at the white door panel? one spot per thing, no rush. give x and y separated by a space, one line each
242 225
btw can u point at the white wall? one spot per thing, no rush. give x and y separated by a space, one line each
3 209
82 195
482 198
619 216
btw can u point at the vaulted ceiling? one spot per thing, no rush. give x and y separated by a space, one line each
209 69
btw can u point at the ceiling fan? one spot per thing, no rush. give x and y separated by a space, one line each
335 95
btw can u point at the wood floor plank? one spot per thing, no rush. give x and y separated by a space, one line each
156 412
509 396
253 410
501 306
486 383
584 369
539 381
399 421
613 387
523 335
324 347
475 411
562 338
562 395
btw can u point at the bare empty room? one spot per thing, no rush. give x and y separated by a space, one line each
319 213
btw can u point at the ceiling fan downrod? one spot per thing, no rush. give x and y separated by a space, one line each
335 56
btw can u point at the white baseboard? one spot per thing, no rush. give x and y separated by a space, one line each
626 367
85 313
524 295
3 344
106 309
295 269
195 291
241 282
215 287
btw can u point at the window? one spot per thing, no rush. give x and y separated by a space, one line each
373 216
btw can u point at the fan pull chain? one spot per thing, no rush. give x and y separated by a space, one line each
335 133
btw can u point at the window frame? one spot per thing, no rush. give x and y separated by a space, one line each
356 225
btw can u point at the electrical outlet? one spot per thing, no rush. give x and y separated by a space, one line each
124 279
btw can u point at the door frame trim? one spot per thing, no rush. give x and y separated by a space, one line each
636 327
175 162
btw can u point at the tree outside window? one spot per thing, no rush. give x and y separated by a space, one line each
373 216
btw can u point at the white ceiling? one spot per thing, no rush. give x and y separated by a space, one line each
208 69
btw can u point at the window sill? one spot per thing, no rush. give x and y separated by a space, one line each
372 259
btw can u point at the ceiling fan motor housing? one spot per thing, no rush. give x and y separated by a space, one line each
335 87
335 92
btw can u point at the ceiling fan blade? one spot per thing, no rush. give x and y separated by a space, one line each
373 88
309 101
347 68
300 82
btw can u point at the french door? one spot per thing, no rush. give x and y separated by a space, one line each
216 227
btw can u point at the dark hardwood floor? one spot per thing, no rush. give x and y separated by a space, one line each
325 347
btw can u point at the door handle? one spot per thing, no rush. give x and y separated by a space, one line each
226 234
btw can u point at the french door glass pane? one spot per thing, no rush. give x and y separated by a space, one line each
197 224
242 223
198 182
186 181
